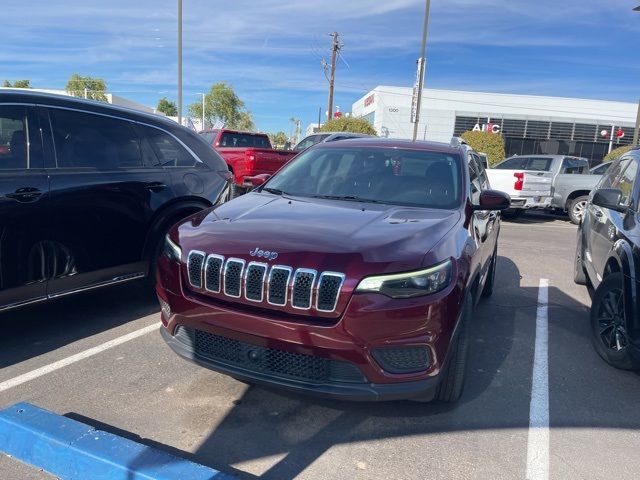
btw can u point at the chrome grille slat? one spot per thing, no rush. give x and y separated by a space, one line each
213 273
302 288
254 281
277 285
328 291
233 270
195 263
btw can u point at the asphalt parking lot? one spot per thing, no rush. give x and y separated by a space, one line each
141 390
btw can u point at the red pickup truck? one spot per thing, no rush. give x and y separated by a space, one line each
247 154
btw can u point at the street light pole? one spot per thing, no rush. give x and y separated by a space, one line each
180 62
421 69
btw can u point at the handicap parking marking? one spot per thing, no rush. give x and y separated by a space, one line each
39 372
538 440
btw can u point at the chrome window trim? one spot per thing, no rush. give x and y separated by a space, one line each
286 285
217 257
264 276
342 277
311 290
226 267
204 256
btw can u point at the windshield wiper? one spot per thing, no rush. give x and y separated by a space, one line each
349 198
275 191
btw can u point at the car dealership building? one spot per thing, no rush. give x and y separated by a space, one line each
529 124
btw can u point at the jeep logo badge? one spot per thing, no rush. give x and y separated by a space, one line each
262 254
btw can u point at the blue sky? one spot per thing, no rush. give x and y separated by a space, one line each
270 50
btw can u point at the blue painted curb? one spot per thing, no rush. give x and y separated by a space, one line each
74 451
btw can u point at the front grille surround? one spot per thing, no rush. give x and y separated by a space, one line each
213 268
249 281
324 301
302 288
258 282
195 264
233 272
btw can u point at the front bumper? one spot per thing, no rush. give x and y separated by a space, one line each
355 344
424 389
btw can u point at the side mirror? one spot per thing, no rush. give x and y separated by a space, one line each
609 198
258 180
493 200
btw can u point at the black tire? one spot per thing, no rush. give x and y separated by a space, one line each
452 383
579 273
236 191
513 214
609 324
487 291
576 209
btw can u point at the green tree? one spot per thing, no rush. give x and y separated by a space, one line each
278 139
617 153
95 88
167 107
17 84
222 104
349 124
486 142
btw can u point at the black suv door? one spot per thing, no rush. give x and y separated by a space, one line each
24 192
105 187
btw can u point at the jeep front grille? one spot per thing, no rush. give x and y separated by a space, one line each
279 285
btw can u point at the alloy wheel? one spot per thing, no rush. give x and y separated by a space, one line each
611 321
579 209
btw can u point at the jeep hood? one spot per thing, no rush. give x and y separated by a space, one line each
326 235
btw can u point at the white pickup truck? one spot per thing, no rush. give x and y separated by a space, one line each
528 180
559 182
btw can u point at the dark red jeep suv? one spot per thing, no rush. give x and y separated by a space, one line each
351 273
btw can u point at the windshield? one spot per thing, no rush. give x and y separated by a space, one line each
381 175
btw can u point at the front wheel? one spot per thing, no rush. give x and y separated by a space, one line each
609 323
577 207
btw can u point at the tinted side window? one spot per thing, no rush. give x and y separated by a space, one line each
574 166
475 181
168 150
614 171
85 140
513 164
13 138
539 164
626 180
484 180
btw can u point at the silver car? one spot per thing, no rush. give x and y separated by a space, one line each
322 137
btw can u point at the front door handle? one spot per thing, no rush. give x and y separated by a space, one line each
25 194
155 186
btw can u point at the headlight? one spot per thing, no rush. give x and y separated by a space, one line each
171 250
410 284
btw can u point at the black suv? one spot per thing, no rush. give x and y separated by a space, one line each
88 191
608 257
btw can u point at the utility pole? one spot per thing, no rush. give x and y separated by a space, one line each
203 95
335 48
422 61
180 62
636 133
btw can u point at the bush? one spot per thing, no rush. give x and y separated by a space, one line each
349 124
617 153
485 142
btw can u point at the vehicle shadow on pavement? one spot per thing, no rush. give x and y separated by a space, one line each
38 329
277 435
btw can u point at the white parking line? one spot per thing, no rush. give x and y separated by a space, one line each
27 377
538 442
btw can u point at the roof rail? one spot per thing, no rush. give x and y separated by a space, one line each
457 142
